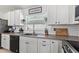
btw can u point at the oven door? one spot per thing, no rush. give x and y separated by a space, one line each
68 48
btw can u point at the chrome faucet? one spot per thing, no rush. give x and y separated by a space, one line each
33 29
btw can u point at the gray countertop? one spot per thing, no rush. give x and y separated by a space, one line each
52 37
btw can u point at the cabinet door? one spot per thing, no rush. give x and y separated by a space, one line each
12 18
43 46
28 45
54 46
44 9
7 16
32 45
5 42
51 14
72 14
21 17
62 15
22 45
17 17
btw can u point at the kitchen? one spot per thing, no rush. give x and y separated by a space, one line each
39 29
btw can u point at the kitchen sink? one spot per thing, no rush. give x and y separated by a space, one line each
28 34
37 35
41 36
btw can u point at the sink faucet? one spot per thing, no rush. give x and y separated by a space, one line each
34 29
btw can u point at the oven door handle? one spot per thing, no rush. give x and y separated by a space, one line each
65 51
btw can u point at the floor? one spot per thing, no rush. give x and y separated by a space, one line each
5 51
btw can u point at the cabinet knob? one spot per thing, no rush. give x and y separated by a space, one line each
52 42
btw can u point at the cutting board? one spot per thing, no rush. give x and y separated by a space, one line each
61 31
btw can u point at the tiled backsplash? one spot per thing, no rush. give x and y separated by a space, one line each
73 29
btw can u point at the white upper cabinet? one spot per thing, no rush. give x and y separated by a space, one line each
14 17
44 9
7 16
72 14
18 17
10 17
62 16
58 14
51 14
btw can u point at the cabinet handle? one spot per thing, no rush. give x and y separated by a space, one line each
43 41
52 42
27 42
43 45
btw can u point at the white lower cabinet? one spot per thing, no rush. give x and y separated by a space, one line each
28 45
43 46
34 45
49 46
5 41
54 46
22 45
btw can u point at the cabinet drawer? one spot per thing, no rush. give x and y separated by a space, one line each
43 46
44 41
5 35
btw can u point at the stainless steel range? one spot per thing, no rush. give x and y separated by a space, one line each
70 47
